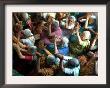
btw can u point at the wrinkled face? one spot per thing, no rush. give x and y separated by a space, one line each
50 19
59 41
41 44
82 36
71 21
61 15
40 28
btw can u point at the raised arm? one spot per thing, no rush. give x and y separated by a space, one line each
94 42
66 25
61 64
55 46
77 32
49 29
16 18
87 21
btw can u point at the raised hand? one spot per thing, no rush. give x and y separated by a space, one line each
89 15
77 27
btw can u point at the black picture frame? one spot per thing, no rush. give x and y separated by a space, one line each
2 43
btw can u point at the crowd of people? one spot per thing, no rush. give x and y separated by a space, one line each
55 44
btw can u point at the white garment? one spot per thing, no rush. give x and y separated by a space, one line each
71 26
37 36
26 16
72 71
29 41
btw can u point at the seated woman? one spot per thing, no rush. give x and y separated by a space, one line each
29 38
68 26
23 63
21 49
72 67
42 68
82 43
23 17
55 59
22 58
53 29
40 30
62 43
70 22
60 16
89 61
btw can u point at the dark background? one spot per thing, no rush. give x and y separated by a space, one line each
59 1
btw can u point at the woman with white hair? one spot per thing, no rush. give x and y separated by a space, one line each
68 26
68 64
29 38
54 28
82 43
70 22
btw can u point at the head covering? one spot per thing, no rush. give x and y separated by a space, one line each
27 32
73 62
25 16
51 59
55 24
87 34
32 50
72 17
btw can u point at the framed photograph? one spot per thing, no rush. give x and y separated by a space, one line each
55 44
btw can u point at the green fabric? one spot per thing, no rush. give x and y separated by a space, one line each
85 43
23 23
77 49
16 73
50 47
40 51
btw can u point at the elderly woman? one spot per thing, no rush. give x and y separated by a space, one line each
82 43
29 38
67 64
22 55
68 26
